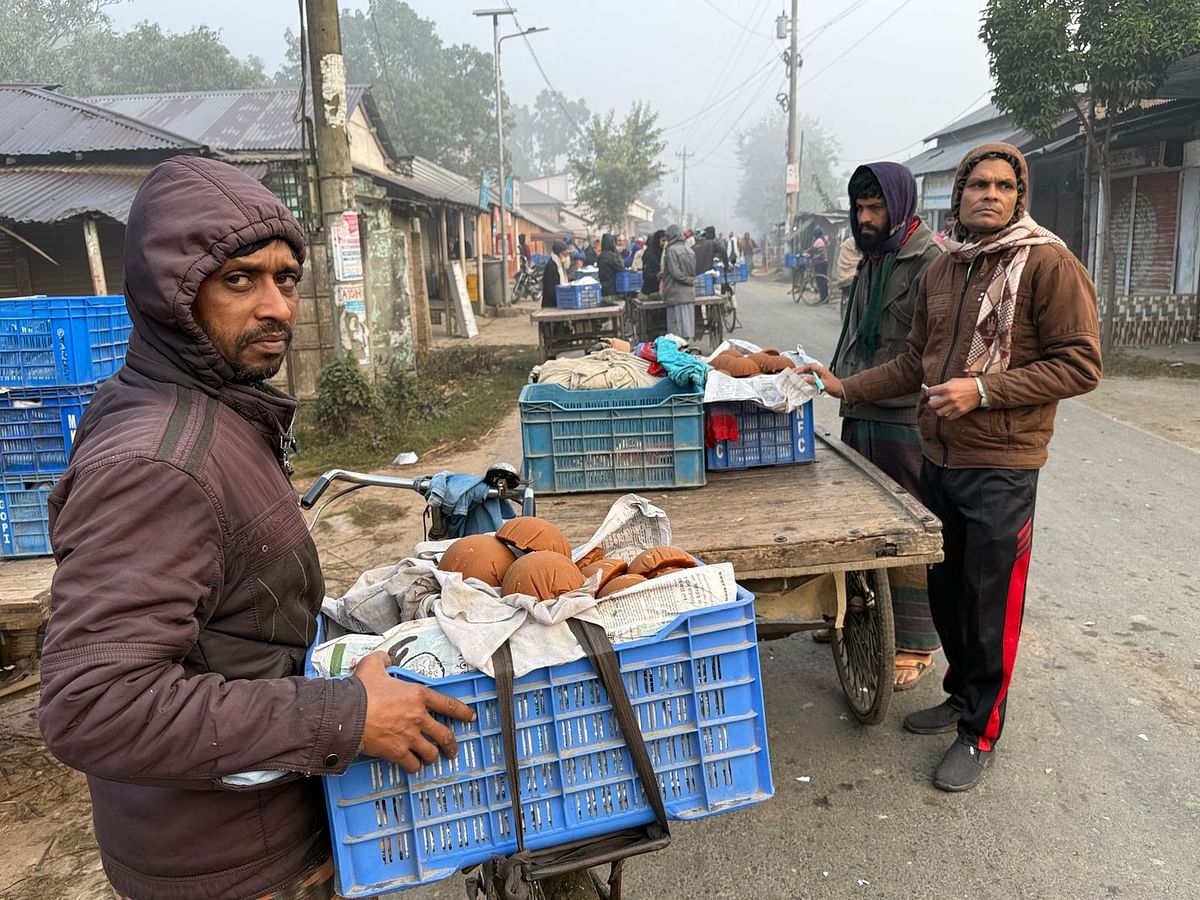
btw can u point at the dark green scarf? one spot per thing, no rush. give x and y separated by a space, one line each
867 333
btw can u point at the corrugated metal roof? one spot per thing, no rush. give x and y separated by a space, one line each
226 120
55 193
426 179
985 113
40 122
946 157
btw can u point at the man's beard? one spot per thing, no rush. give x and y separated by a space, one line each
869 240
245 375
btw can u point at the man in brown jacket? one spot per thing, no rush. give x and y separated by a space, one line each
1005 326
187 586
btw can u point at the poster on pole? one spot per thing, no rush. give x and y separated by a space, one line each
484 192
352 321
346 247
793 178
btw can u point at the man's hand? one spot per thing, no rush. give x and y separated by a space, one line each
831 383
399 726
955 398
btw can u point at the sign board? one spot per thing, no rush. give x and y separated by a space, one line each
464 316
512 192
792 182
345 244
352 320
483 190
1142 157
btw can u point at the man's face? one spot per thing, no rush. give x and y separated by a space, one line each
246 308
989 197
874 226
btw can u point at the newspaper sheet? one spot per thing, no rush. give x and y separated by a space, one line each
781 393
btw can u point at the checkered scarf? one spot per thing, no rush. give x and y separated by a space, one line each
991 345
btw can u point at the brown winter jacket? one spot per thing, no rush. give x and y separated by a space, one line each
1055 352
187 584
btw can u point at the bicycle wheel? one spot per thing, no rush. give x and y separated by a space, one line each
799 280
812 292
729 313
864 648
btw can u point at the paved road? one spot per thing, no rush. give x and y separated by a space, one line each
1095 792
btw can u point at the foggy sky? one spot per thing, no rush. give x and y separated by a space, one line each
890 88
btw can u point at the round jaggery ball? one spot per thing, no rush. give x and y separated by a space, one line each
543 574
608 569
479 556
760 359
620 583
592 556
649 562
530 533
743 367
667 570
777 364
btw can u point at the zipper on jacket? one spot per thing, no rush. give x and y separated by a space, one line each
962 299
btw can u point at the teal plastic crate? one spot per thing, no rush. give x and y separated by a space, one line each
24 519
612 440
765 437
37 428
46 341
696 689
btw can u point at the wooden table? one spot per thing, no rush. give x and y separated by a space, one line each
560 330
813 542
24 607
648 318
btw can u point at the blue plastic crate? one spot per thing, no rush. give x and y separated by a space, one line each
697 692
37 428
629 282
612 440
704 285
743 272
577 296
765 438
61 340
24 520
789 260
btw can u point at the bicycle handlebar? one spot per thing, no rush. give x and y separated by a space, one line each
421 485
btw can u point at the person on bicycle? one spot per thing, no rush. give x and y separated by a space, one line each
1004 327
187 585
896 248
818 257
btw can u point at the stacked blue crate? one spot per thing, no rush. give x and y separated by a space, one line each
54 351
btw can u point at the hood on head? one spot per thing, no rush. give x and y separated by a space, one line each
710 233
899 190
608 243
994 150
674 233
558 248
188 216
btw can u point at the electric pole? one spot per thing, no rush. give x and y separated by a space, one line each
683 155
335 176
793 156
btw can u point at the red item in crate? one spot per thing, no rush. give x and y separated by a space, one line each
719 427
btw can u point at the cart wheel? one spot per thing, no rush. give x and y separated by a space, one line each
864 649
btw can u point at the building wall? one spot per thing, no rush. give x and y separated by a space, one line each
365 149
386 254
24 272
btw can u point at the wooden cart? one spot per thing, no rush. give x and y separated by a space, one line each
648 318
813 542
560 330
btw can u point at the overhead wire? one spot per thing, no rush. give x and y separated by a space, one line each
556 94
740 25
878 156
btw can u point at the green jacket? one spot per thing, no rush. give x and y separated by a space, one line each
899 301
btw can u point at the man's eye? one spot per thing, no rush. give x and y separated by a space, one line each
287 279
237 279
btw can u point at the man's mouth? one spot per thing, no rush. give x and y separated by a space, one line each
271 343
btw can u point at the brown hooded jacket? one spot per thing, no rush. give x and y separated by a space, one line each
187 584
1055 348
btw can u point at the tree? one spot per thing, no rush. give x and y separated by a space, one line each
1053 58
557 122
616 162
437 100
762 155
522 147
72 43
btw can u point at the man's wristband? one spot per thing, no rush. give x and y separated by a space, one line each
983 397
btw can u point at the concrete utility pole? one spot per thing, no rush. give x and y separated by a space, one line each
793 156
335 175
683 155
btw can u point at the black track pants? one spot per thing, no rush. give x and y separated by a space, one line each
977 594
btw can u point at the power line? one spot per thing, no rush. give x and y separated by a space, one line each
556 94
856 45
730 18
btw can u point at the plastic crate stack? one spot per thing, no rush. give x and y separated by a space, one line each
54 351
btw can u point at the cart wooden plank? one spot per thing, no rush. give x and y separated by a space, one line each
835 514
560 330
25 592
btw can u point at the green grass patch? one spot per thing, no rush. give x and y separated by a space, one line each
1124 364
456 395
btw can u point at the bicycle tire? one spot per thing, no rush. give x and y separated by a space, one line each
812 291
729 317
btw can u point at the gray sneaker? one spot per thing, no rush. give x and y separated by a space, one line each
962 766
935 720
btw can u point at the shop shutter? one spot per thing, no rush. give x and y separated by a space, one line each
1152 211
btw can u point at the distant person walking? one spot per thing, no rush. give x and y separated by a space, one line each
679 284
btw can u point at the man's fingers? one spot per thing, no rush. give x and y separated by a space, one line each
442 735
448 706
424 749
408 762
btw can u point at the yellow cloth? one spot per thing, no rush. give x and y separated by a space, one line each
599 371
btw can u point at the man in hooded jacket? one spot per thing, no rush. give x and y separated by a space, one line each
1004 328
679 284
187 585
608 264
896 248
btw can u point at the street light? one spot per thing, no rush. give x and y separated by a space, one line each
496 41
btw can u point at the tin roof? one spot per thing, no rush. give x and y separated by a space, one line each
53 193
233 121
41 122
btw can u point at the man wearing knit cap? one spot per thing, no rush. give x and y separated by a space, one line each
896 248
1004 327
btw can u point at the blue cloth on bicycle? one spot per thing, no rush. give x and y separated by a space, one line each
465 506
682 368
